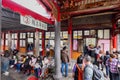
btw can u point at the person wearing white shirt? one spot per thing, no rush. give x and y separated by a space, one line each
97 51
45 65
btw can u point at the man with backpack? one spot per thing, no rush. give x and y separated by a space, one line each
91 72
88 68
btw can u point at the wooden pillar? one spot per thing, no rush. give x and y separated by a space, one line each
18 41
4 42
70 37
9 40
37 42
58 74
43 43
114 37
116 17
1 44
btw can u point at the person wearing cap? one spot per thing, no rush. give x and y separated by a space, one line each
88 71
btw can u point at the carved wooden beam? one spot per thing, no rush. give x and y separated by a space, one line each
91 8
89 11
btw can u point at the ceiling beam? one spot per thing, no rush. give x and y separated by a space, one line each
91 11
96 14
18 28
46 4
94 24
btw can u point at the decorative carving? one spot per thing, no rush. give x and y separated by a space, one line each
64 16
94 5
74 5
77 5
54 9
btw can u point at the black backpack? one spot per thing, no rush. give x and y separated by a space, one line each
97 73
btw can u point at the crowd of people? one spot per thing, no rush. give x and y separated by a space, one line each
97 65
94 64
26 64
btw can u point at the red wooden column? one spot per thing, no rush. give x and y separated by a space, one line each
4 41
114 37
43 43
70 37
18 41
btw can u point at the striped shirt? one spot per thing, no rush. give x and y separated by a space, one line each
113 65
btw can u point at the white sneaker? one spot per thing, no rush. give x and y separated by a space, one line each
11 66
6 73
